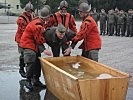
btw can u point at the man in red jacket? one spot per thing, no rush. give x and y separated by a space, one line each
88 33
22 22
63 17
32 42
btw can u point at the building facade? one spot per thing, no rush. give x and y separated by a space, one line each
10 7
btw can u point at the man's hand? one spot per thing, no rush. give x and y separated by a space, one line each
46 52
68 51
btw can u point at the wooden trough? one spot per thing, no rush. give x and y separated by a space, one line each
69 83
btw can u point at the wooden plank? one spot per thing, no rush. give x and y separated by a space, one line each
104 89
62 85
55 67
118 88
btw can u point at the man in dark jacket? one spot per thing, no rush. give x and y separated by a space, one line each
121 18
129 23
111 20
103 21
95 15
59 37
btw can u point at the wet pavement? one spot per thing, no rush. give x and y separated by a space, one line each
116 52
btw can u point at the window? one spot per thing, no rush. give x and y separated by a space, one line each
17 6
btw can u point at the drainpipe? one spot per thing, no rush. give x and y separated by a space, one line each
5 6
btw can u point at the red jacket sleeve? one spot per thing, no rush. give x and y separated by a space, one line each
80 35
38 34
73 24
21 24
84 28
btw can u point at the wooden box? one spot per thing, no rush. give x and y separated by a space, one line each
69 83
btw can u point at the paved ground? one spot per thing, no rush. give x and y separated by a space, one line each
116 52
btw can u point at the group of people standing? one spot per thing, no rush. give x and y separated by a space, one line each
58 30
115 22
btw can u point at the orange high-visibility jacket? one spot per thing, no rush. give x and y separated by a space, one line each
22 22
89 34
32 36
67 20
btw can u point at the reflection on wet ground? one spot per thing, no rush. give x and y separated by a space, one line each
12 88
25 94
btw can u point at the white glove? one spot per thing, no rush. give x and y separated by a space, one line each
46 52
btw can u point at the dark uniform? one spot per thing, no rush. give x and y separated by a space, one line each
120 23
116 12
103 20
111 22
129 23
95 15
55 43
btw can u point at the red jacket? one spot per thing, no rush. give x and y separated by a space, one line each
89 34
32 36
67 20
22 22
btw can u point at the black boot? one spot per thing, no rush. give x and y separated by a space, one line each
28 84
22 72
38 83
22 65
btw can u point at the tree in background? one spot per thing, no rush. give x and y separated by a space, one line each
111 4
73 4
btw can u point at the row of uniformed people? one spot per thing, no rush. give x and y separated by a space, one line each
114 22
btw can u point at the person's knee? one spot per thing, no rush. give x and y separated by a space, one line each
29 56
94 55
